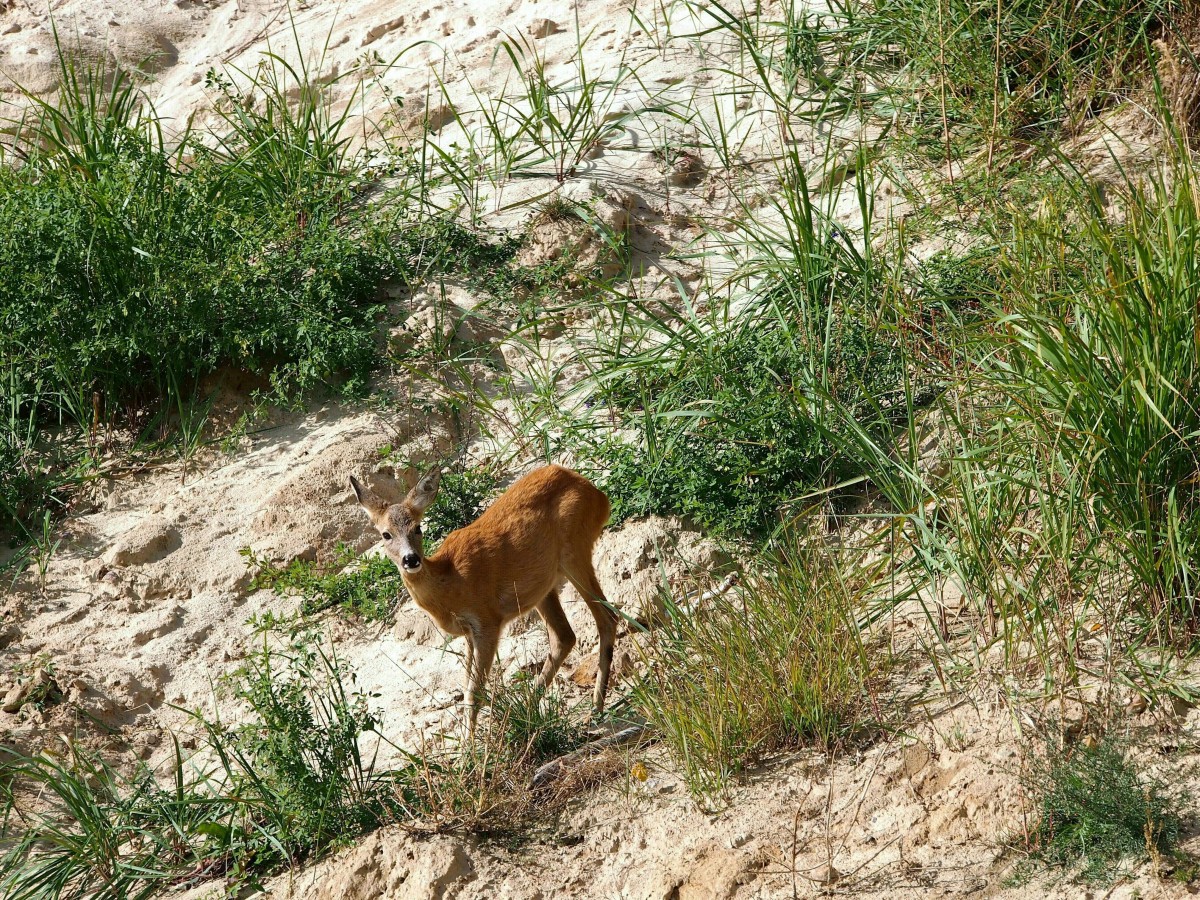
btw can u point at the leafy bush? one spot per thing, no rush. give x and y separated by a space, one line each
462 498
1096 807
730 410
736 430
134 266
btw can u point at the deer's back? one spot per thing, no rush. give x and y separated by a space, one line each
523 535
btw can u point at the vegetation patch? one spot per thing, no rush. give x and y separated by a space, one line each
779 663
291 781
1018 69
1096 808
368 588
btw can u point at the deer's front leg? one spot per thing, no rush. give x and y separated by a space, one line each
485 640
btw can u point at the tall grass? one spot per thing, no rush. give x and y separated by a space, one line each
1101 359
777 664
976 70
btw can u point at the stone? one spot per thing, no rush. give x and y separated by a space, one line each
150 541
543 28
15 698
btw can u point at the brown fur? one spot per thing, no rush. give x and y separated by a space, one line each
512 559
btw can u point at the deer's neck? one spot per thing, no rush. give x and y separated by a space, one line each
434 588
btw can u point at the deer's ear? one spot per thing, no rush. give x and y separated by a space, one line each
368 499
423 494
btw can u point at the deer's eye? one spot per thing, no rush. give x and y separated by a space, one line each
387 535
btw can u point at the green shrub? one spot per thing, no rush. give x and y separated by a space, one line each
731 411
737 432
1096 808
462 498
369 588
135 265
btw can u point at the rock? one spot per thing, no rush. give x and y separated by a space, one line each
150 541
686 170
381 29
41 688
10 633
543 28
827 875
15 698
414 625
716 876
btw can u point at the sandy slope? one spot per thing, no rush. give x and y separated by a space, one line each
147 600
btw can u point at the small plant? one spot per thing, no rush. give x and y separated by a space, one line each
44 547
293 780
369 588
1096 808
463 496
536 724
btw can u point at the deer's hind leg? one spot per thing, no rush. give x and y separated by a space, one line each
558 630
581 574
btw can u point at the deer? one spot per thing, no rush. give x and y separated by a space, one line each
514 558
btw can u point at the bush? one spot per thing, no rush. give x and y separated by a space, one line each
731 411
134 267
369 588
1096 807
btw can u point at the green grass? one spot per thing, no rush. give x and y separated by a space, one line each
775 665
1096 809
290 782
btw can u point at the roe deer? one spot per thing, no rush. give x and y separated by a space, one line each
513 558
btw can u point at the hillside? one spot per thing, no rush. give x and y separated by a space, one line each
876 323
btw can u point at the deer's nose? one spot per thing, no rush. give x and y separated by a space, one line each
411 561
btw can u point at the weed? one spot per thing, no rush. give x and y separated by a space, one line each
290 782
368 588
1097 808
